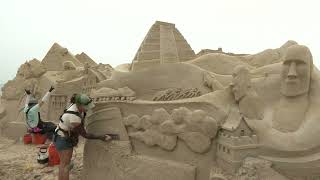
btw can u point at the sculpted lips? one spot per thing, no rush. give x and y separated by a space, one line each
292 81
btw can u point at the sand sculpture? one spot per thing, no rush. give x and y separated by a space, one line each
163 44
162 129
69 74
176 93
56 56
248 116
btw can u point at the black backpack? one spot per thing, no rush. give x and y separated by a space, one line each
72 137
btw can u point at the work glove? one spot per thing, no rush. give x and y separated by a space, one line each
106 138
27 91
51 89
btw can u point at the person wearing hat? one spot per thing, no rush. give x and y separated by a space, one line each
71 125
32 111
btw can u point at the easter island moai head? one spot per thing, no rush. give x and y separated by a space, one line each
240 82
296 71
295 84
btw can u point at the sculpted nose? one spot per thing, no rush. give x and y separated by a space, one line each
292 70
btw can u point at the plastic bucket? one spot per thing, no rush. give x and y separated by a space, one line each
54 158
27 139
38 138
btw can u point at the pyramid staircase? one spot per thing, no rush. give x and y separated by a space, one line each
163 44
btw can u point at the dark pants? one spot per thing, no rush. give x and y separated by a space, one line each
47 128
62 143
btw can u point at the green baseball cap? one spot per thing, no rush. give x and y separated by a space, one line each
85 101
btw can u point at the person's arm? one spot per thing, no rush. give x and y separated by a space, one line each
46 96
28 97
80 130
86 135
22 109
77 126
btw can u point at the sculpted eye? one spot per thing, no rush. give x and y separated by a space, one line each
300 62
286 63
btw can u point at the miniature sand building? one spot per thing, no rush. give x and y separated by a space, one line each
236 141
163 44
56 105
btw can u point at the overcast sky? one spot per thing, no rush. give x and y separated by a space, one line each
111 31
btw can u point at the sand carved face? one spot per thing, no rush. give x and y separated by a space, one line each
68 65
240 82
296 71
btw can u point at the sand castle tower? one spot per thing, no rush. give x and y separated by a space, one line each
236 141
163 44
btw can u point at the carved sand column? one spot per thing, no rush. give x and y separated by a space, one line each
104 160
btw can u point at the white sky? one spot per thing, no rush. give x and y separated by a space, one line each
111 31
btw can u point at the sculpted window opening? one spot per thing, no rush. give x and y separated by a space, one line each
242 133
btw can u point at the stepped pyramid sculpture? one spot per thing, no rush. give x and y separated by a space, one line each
84 58
55 57
163 44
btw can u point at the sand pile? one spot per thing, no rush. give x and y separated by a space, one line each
19 162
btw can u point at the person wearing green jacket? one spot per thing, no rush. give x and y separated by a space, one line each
33 118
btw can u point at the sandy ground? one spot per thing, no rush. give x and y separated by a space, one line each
19 162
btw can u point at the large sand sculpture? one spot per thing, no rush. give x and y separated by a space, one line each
181 116
68 73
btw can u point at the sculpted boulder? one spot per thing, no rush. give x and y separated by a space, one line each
195 128
196 141
31 69
159 116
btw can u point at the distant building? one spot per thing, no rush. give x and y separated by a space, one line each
219 50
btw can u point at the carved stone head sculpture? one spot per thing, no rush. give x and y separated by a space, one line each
69 65
296 71
240 82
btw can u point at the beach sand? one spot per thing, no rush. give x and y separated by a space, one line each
19 162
